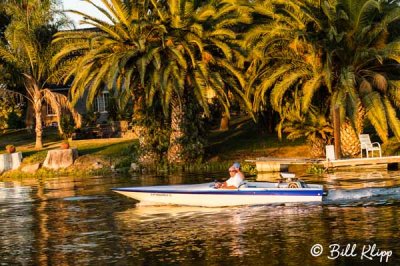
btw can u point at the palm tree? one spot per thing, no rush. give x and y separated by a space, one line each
284 66
27 51
313 126
364 63
122 54
201 49
343 56
157 52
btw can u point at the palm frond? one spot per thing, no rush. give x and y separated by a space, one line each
392 118
58 102
376 114
278 92
309 89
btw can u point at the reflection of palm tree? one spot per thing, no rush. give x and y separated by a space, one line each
360 179
43 234
374 175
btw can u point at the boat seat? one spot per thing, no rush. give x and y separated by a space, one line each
243 185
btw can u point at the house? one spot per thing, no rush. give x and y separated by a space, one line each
98 115
100 107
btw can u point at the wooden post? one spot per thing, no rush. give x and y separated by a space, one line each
336 131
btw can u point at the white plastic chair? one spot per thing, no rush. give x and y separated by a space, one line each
330 152
366 145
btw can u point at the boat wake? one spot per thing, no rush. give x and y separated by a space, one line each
379 195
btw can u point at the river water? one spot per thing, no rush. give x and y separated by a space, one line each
79 221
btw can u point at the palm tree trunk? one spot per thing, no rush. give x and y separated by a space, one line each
349 143
176 147
35 95
58 116
349 136
37 107
317 147
186 142
147 154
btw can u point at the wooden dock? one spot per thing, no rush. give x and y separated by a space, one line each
353 162
267 164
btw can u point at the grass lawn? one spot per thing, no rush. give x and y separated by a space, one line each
25 143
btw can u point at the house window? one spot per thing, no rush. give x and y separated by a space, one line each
101 102
50 111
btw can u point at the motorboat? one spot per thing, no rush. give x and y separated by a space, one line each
288 189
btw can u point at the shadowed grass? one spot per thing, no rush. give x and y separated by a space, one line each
25 139
244 141
103 147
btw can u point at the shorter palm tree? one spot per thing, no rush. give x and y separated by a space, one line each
28 51
313 125
36 96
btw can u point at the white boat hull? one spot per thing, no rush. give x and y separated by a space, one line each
205 195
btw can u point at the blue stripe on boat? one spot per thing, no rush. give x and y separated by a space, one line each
291 192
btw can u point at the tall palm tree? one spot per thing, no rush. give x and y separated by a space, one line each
201 49
343 56
364 62
153 51
28 51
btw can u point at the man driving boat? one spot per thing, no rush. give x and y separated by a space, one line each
235 180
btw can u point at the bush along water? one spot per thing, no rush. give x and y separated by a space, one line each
249 169
315 170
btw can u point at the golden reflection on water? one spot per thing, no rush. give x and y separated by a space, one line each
143 213
267 235
344 179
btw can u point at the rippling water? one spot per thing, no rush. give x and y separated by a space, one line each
79 221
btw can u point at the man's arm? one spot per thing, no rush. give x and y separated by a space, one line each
225 185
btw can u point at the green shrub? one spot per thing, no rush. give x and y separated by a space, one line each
249 169
37 157
315 169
